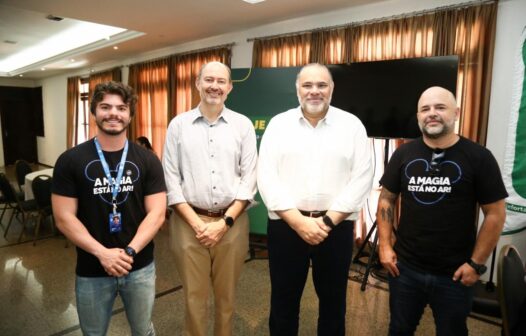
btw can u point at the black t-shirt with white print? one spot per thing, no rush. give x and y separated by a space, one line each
78 173
437 229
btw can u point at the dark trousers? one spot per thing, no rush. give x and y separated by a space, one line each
289 260
410 292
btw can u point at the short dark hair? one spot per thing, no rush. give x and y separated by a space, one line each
124 91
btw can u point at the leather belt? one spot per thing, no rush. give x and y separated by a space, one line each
314 214
210 213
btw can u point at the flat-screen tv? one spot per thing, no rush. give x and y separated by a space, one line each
384 94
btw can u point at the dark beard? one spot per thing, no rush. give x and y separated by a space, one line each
111 131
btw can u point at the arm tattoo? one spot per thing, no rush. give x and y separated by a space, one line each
387 214
387 210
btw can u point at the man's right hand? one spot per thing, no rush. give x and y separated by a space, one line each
310 231
388 259
199 228
115 261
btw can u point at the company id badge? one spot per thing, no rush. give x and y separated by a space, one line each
115 222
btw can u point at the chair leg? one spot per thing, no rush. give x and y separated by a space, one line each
37 228
2 216
9 223
23 227
53 226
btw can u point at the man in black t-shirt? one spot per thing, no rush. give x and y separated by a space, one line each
437 255
109 199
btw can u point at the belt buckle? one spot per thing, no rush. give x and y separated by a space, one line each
210 213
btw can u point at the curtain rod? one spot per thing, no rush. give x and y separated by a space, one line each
382 19
195 51
226 45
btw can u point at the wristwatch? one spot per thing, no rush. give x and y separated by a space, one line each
479 268
228 220
130 251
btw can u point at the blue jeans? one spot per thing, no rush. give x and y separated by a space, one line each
95 298
410 292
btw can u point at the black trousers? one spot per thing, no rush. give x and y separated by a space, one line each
289 260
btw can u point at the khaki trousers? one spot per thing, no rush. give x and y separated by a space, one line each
203 268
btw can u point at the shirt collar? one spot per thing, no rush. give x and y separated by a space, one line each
225 114
328 119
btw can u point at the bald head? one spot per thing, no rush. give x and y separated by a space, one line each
437 92
437 113
216 65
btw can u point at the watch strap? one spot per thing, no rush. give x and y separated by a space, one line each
328 221
479 268
130 251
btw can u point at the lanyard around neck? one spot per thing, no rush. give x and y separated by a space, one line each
117 182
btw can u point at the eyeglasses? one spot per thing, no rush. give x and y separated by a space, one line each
436 160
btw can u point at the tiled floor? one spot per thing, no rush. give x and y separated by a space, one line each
37 297
37 294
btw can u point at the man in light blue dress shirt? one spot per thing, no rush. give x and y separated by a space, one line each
210 169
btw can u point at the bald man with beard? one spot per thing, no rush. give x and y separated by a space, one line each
438 256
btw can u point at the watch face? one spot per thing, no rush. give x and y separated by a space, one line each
480 269
229 220
130 251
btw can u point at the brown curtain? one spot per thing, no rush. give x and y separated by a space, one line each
331 46
94 79
183 73
150 81
282 51
474 43
73 97
468 32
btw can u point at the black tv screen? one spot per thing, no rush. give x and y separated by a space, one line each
384 94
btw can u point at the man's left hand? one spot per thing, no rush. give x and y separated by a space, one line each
466 275
213 233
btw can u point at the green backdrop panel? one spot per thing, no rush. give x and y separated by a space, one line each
260 94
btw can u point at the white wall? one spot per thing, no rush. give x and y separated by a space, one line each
53 143
511 19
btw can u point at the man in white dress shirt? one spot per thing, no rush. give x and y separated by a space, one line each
314 175
210 169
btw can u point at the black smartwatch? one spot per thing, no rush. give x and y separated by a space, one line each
228 220
479 268
328 221
130 251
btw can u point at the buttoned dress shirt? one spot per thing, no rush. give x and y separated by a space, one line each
327 167
209 165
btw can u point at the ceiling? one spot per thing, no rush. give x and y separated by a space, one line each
165 23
